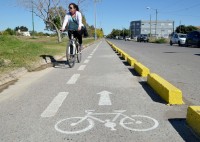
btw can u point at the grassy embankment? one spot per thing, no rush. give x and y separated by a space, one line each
16 52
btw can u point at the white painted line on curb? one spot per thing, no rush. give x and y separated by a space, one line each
82 67
86 61
53 107
73 79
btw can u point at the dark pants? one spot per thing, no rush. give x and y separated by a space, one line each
77 34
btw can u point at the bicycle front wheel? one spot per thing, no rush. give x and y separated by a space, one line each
71 125
139 123
71 59
79 54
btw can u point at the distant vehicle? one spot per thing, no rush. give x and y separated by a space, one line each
120 38
193 38
127 38
143 37
178 38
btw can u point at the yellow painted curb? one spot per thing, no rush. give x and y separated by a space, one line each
141 69
167 91
193 118
131 61
125 55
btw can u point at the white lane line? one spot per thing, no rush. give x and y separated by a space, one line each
104 98
53 107
91 54
89 57
73 79
82 67
86 61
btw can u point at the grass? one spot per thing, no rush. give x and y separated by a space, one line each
16 52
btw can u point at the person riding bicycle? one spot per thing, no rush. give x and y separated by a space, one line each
73 21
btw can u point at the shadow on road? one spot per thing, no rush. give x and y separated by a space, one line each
197 54
55 63
152 93
183 129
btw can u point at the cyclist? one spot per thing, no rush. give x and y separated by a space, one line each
73 21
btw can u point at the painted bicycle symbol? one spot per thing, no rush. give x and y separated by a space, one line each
74 125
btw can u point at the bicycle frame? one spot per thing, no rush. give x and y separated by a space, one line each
91 115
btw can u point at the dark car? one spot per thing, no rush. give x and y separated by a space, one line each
193 39
143 37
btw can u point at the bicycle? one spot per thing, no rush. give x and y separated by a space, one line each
76 125
74 52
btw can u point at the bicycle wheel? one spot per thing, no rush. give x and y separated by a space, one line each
70 126
70 57
139 123
79 54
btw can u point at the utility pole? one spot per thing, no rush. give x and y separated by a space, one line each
95 16
156 22
32 19
156 19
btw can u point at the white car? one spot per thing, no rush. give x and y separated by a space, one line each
127 38
178 38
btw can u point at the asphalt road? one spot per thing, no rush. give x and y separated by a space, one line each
101 99
178 65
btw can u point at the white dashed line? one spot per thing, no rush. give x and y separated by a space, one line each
73 79
82 67
53 107
86 61
89 57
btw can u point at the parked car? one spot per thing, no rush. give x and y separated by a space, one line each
143 37
120 38
178 38
193 38
127 38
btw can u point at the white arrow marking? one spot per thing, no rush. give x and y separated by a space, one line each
104 98
54 105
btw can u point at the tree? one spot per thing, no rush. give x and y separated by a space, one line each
185 29
21 28
50 11
9 31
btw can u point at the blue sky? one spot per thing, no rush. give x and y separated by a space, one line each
111 13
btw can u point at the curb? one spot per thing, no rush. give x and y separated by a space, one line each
141 69
193 118
17 73
167 91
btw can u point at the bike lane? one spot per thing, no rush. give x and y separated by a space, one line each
108 102
103 92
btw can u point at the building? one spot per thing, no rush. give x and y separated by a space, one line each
163 28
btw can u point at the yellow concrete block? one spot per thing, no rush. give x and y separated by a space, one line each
131 61
167 91
141 69
193 118
125 56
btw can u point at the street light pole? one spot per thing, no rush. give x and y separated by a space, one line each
32 20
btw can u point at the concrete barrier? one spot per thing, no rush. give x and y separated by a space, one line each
131 61
193 118
167 91
125 55
141 69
